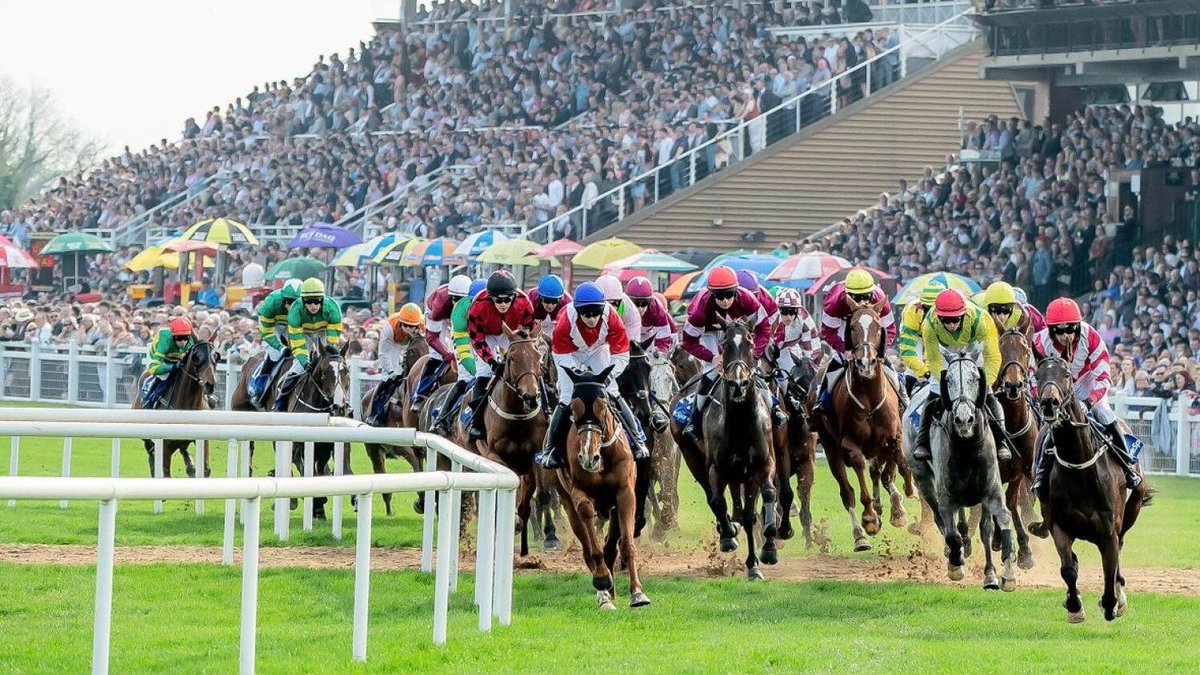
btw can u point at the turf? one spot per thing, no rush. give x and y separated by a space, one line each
185 619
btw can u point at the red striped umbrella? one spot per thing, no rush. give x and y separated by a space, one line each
807 266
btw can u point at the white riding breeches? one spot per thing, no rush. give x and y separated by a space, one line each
1103 412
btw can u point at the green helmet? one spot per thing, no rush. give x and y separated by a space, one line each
930 292
312 288
291 289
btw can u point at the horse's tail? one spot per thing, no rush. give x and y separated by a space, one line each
1148 496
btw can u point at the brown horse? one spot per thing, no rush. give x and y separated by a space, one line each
795 445
515 420
324 387
192 380
864 426
1083 493
599 483
738 450
240 400
1021 428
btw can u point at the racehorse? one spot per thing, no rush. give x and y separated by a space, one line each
1083 493
240 400
864 426
1021 428
192 381
795 446
686 366
738 450
963 470
322 388
634 386
662 499
599 483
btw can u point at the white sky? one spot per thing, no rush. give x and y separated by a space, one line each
131 71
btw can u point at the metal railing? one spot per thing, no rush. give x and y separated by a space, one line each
752 136
364 220
495 484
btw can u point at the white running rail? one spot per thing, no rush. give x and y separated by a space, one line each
495 484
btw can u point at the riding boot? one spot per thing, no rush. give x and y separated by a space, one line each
995 415
152 390
424 383
441 424
637 438
1040 462
894 379
1121 452
932 409
285 390
911 382
479 396
383 394
551 457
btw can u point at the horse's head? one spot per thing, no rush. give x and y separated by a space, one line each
635 380
1055 393
803 372
865 341
963 390
1016 356
200 365
737 358
331 380
595 428
523 367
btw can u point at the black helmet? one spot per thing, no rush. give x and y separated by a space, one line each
501 283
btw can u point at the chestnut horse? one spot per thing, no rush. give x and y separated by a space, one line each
193 379
599 484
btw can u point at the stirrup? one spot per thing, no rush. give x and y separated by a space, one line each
922 453
549 460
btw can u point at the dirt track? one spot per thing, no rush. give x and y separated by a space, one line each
657 561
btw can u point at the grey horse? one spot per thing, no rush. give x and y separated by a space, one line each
963 470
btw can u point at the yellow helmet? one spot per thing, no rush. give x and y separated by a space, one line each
930 292
312 288
410 314
860 282
999 293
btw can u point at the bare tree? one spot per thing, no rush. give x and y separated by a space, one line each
37 144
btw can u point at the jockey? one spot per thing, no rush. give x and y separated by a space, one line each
272 329
462 354
437 333
795 335
499 305
749 281
857 290
1068 336
956 322
911 319
167 350
548 299
1010 313
315 313
395 335
588 336
614 295
720 304
655 322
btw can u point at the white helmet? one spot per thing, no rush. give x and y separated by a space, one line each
293 284
611 286
460 284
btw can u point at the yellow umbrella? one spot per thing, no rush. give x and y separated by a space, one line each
350 256
600 254
394 253
153 256
220 231
511 252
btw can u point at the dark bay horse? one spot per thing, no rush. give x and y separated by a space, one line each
1083 493
738 450
795 445
599 484
192 380
324 387
1021 428
634 386
864 427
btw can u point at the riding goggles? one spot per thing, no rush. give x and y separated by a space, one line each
1000 308
591 311
1065 329
788 311
724 295
861 297
314 301
502 300
642 302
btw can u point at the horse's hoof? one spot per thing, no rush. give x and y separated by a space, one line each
552 545
728 545
899 520
1076 617
954 572
319 514
1008 585
915 529
604 601
770 556
1039 530
995 546
861 544
754 574
871 526
990 583
292 504
639 599
1122 603
1025 559
191 471
786 531
418 507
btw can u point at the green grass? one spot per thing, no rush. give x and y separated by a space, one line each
185 619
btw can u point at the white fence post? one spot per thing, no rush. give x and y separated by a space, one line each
158 470
14 455
307 523
485 546
283 469
362 577
427 517
102 621
35 372
231 471
1183 438
441 585
249 586
201 462
355 392
339 456
68 444
115 460
110 378
72 373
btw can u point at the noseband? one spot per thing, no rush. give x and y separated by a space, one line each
513 384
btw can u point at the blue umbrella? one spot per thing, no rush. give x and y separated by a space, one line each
376 245
475 244
755 262
323 235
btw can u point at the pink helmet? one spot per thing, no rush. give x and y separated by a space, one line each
639 287
789 297
611 286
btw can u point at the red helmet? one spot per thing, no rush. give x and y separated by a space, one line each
950 304
639 287
1062 310
722 278
180 327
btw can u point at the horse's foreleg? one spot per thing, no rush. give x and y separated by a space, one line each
906 473
1110 554
954 541
524 509
1012 501
783 484
838 469
1069 568
749 492
986 528
720 509
898 515
804 485
626 505
876 478
581 514
870 517
641 489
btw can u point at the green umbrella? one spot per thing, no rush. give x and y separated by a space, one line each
76 242
296 268
651 260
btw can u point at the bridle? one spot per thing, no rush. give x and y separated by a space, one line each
513 385
596 428
1068 400
326 403
869 354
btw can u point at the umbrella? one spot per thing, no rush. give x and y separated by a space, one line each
511 252
696 256
375 245
807 266
477 243
912 290
603 252
324 235
352 256
220 231
154 256
755 262
678 288
295 268
650 260
14 258
826 283
393 253
559 248
75 242
191 246
431 253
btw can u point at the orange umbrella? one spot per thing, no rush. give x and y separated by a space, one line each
676 289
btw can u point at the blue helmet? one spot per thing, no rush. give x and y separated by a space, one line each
550 287
588 293
477 287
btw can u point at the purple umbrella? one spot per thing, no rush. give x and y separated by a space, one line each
323 235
